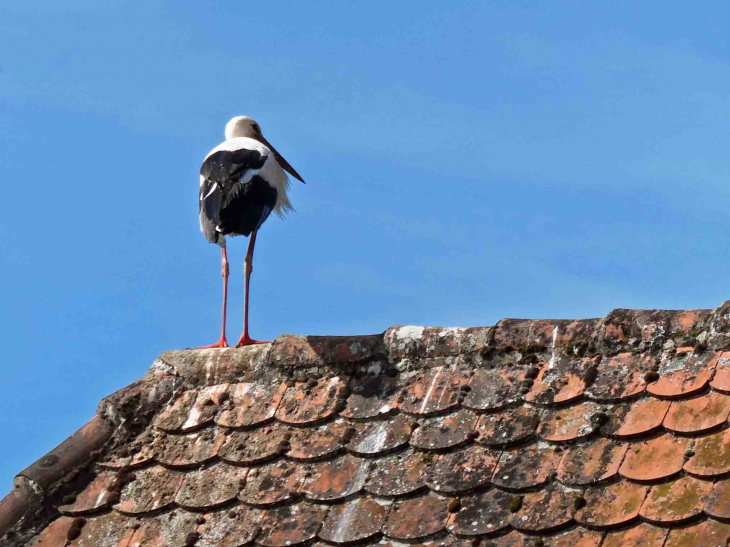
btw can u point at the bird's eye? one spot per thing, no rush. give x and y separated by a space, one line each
256 127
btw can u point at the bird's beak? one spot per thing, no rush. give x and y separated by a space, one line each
284 164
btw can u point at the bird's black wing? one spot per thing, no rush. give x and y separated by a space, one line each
233 199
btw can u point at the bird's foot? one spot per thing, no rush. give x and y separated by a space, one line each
222 343
246 340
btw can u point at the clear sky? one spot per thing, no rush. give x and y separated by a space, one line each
465 162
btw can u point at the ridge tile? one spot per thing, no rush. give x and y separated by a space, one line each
250 404
399 474
655 459
354 521
677 501
291 524
698 415
508 427
444 432
417 518
611 506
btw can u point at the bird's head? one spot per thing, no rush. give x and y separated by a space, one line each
243 126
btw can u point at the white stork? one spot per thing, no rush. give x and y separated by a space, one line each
241 181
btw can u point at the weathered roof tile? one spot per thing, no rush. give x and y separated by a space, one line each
546 511
656 459
272 483
291 524
187 450
313 401
589 463
676 502
614 505
250 404
558 382
149 489
483 513
417 518
435 391
508 427
526 468
336 479
570 424
698 415
638 419
709 532
229 527
373 395
354 521
493 389
211 486
711 455
643 534
382 436
398 475
444 432
462 471
256 446
718 502
681 375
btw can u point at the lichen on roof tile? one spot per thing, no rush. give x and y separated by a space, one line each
676 501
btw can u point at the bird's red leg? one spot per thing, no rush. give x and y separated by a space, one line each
247 269
222 343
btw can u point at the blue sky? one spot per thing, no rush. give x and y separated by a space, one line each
465 162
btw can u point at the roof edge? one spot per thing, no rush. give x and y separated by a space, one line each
128 411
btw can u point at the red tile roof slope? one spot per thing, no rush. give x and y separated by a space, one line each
597 432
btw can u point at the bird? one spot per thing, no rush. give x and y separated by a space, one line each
242 180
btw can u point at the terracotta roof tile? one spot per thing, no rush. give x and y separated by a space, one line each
721 380
557 382
681 375
149 489
614 505
249 404
547 510
462 471
191 449
436 391
373 395
530 433
417 518
676 502
698 415
526 468
291 524
336 479
256 446
638 419
228 527
444 432
272 483
570 424
483 513
508 427
354 521
319 442
708 533
382 436
585 464
643 534
718 502
620 377
208 487
398 475
711 455
313 401
656 459
493 389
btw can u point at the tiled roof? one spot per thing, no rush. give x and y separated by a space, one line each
598 432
